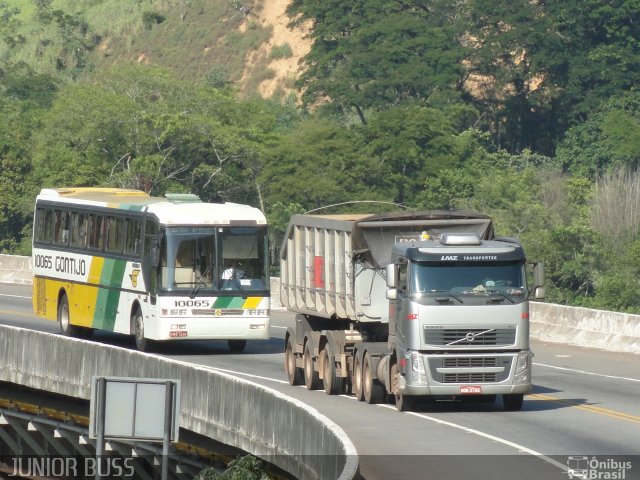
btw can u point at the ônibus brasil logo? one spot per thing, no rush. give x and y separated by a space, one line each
595 468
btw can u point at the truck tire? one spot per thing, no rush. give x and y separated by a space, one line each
332 383
512 401
372 389
294 374
356 381
311 377
404 403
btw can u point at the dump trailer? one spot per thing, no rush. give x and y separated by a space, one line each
404 306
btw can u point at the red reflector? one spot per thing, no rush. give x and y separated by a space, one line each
403 362
525 315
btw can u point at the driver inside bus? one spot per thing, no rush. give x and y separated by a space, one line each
233 270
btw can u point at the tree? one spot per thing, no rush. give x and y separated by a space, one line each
141 128
376 54
511 49
608 139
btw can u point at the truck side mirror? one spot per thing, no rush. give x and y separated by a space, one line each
538 281
538 274
392 294
392 275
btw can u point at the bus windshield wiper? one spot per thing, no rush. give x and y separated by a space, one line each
202 281
237 282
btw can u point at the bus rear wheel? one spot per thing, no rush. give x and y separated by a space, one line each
64 318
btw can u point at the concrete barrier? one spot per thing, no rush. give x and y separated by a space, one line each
236 412
613 331
15 269
585 327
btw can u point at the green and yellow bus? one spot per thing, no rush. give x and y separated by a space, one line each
172 268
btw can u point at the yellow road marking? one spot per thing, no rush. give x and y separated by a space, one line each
589 408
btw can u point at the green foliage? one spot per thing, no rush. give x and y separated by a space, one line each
281 51
149 19
375 54
608 138
243 468
435 104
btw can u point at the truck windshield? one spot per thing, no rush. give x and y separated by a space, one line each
222 258
468 278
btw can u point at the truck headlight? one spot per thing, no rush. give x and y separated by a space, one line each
523 367
419 375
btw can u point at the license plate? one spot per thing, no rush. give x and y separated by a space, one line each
470 390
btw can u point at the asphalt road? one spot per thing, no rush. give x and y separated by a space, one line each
584 411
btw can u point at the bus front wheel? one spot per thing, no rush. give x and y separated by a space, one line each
137 327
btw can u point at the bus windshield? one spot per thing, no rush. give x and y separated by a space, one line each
468 278
214 258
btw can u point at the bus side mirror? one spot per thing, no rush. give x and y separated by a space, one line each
392 275
154 256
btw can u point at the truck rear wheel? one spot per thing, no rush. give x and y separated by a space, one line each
294 374
512 401
356 382
373 390
311 377
332 383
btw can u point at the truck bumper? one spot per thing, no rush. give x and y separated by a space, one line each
467 374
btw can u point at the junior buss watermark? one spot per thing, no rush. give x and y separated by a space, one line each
72 467
598 468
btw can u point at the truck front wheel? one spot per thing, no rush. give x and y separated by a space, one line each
513 401
404 403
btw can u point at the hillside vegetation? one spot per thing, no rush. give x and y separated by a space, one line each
527 111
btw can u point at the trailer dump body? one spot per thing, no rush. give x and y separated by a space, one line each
322 255
412 304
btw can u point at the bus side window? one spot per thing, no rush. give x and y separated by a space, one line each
61 227
114 228
134 233
44 224
96 234
78 230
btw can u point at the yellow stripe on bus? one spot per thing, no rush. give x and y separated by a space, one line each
252 302
95 271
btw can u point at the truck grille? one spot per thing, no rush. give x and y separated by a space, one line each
469 377
464 337
469 369
462 362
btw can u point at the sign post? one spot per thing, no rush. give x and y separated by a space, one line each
134 409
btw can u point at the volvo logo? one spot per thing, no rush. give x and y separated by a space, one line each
470 337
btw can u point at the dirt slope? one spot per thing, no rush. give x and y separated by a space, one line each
282 72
